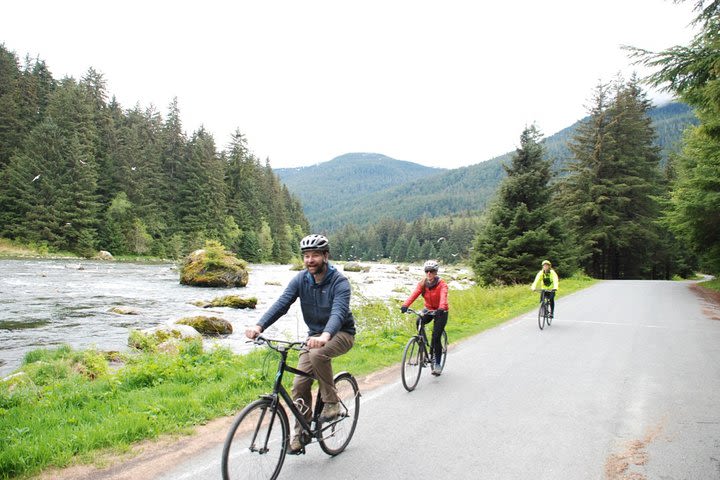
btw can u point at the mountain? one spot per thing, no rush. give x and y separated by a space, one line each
328 188
362 188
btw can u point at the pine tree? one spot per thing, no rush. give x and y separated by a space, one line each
692 72
399 250
520 230
608 199
250 249
11 121
201 192
244 179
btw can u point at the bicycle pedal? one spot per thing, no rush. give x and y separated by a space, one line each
296 452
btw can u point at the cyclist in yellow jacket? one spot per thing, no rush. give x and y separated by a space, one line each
547 280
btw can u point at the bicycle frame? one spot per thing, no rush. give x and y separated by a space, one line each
422 335
279 390
545 299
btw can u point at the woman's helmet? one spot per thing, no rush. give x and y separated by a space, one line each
431 266
314 242
546 262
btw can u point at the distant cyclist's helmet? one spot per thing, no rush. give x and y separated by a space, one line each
431 266
314 242
546 262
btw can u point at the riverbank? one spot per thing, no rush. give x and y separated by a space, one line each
13 250
73 406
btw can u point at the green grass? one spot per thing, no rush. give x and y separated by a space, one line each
12 249
70 406
711 284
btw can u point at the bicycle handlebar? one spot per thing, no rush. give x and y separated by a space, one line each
429 312
273 343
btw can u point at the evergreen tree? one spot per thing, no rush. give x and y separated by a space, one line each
266 242
413 250
201 200
50 191
242 180
520 230
692 72
173 146
428 251
278 218
399 250
250 249
118 223
609 197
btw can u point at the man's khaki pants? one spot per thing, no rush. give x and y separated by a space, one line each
318 361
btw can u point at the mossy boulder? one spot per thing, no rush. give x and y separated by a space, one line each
124 311
208 325
355 267
104 255
213 266
149 339
231 301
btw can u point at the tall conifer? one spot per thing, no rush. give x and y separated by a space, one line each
520 229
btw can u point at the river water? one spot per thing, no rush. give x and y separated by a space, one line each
47 303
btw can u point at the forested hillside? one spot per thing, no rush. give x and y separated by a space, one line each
331 189
78 172
433 193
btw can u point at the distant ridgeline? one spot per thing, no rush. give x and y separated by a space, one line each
362 188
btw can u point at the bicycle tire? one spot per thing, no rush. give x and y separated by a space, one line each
334 436
444 350
548 317
255 447
412 363
541 316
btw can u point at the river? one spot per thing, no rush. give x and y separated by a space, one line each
47 303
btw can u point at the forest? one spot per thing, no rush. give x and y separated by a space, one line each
80 173
618 210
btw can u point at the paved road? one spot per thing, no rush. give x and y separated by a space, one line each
624 385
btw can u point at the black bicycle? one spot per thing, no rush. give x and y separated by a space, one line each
259 438
544 314
417 354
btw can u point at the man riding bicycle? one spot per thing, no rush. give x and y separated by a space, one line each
325 303
435 293
547 279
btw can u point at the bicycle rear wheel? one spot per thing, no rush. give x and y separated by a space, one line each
412 363
541 316
335 435
257 442
444 349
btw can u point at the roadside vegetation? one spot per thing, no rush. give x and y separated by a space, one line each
711 284
68 406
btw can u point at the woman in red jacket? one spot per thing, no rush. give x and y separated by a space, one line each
435 293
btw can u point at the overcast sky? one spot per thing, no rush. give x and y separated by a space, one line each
441 83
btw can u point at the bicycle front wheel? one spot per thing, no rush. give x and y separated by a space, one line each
412 363
335 435
256 443
541 316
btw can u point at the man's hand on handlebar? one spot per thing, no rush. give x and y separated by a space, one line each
403 309
319 341
253 332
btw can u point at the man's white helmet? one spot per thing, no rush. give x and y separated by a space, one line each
314 242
